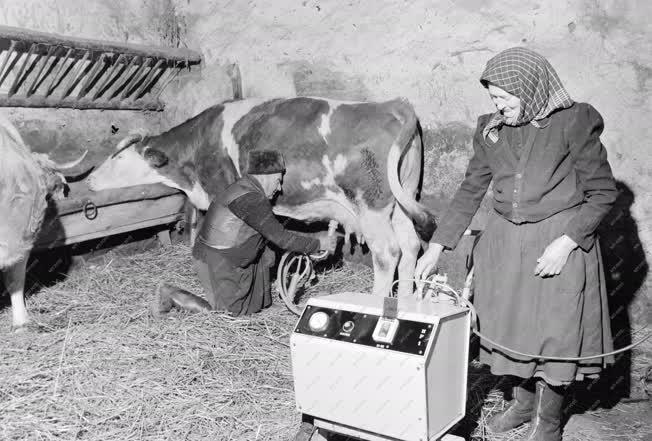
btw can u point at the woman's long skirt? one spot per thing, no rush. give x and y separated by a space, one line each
560 316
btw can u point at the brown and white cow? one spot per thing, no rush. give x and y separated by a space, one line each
343 163
26 181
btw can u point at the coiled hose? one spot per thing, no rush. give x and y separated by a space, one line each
303 271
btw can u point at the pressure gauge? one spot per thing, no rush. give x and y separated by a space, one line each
318 322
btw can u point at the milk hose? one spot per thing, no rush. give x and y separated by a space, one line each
303 271
461 300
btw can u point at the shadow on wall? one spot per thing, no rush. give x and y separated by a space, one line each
315 80
625 271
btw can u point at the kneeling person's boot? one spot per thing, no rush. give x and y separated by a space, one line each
168 297
546 419
519 410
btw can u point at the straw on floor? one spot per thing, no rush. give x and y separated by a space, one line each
96 366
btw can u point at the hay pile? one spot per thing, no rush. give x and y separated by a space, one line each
96 366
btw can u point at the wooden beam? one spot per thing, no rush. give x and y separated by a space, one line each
112 219
75 76
45 62
138 75
147 81
74 103
61 240
124 79
56 79
16 84
186 56
10 51
108 77
90 76
171 76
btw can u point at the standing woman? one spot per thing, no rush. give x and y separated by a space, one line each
539 282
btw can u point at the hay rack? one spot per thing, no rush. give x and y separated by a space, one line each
39 69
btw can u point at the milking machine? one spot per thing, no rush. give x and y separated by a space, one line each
381 368
376 368
385 368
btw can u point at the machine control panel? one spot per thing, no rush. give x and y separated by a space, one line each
365 329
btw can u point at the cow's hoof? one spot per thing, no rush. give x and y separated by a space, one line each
20 328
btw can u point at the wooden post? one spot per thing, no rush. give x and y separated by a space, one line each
233 71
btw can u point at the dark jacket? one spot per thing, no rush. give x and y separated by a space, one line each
542 171
240 222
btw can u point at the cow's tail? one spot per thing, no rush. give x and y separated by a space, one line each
424 221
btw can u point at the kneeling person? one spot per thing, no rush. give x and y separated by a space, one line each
231 254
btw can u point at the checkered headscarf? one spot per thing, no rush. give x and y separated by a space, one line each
530 77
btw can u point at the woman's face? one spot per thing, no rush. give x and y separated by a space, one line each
506 103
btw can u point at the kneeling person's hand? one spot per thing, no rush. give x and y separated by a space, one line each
328 243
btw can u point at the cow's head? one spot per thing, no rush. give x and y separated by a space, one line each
137 163
133 163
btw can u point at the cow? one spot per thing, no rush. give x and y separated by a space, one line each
27 181
358 163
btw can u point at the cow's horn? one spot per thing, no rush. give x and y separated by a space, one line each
71 164
126 142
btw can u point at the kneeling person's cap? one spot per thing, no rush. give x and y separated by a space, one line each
265 162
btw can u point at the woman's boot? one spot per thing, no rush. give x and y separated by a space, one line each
519 410
546 419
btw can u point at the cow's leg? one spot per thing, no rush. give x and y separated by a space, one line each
410 244
385 259
382 243
404 231
14 280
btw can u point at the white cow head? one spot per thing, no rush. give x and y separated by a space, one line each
135 163
131 164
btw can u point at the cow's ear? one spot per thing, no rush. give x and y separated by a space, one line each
156 158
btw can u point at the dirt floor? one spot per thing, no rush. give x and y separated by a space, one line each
96 366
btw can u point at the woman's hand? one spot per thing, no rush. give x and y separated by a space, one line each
554 257
428 262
